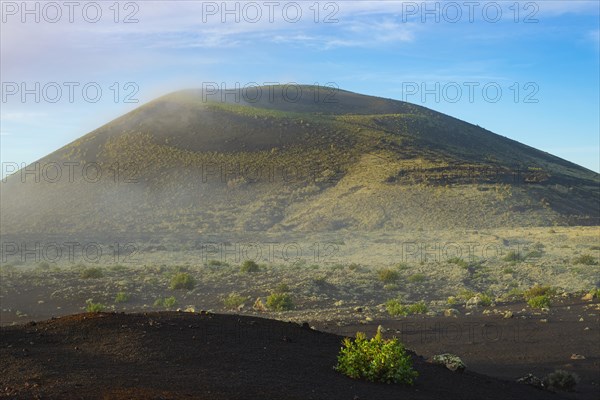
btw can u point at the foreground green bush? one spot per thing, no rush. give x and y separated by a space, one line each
183 280
375 360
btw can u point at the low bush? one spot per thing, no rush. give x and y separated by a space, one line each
92 307
376 360
395 308
121 297
458 261
92 273
280 302
167 302
183 280
508 270
217 263
234 301
388 275
249 266
536 291
513 256
539 302
418 308
561 380
465 294
417 278
485 299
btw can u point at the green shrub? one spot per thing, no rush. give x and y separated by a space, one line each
280 302
458 261
534 254
452 300
234 300
388 275
485 299
561 380
249 266
396 308
217 263
376 360
167 302
513 294
183 280
121 297
465 294
585 259
418 308
508 270
539 302
513 256
92 307
536 291
92 273
417 278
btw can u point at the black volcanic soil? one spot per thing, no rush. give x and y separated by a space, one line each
207 356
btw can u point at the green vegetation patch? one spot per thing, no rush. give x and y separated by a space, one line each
539 302
183 280
388 275
92 273
280 302
376 360
92 307
234 301
249 266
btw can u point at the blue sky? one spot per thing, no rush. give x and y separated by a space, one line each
544 60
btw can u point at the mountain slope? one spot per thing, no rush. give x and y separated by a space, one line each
189 163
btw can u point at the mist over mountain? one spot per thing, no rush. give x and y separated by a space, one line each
320 160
